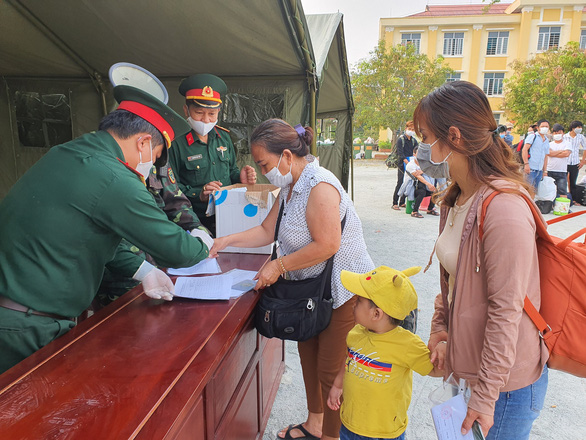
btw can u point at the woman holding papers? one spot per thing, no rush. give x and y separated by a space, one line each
484 278
310 233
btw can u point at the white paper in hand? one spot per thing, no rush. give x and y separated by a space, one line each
207 266
448 418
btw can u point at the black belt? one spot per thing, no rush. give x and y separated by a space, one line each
7 303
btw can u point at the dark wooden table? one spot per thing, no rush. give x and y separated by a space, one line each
148 369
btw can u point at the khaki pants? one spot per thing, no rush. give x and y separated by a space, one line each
322 358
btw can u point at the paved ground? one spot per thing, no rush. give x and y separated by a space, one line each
400 241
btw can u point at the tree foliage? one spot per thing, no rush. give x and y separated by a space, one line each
551 86
388 85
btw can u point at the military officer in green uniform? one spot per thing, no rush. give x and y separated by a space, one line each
63 221
204 159
162 185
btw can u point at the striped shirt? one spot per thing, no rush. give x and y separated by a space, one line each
575 142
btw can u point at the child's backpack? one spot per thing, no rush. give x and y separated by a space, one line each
561 319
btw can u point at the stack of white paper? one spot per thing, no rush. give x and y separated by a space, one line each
225 286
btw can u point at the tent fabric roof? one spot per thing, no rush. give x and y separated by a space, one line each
327 36
172 41
453 10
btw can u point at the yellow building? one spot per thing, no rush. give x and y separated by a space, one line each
480 44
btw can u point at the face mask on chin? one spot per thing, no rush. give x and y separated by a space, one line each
435 170
276 178
201 128
145 168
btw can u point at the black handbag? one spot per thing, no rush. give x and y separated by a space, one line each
295 310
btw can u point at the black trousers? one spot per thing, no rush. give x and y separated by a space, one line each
421 191
400 176
573 171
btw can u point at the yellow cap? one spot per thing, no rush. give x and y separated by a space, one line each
390 289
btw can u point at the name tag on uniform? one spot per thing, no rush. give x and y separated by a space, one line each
194 157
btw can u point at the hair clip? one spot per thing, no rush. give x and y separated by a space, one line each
300 130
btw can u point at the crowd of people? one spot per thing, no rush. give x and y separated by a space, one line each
115 184
541 153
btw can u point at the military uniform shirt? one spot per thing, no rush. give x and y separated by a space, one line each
63 220
196 163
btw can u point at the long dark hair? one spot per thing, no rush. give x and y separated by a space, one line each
276 135
463 105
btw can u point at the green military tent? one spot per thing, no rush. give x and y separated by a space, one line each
55 56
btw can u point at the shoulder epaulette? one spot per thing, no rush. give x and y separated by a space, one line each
222 128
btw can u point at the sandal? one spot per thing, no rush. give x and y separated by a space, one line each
416 214
402 205
306 434
432 212
396 208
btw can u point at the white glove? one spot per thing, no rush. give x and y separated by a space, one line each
207 240
155 283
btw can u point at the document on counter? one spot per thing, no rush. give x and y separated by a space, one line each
210 287
209 265
448 418
242 281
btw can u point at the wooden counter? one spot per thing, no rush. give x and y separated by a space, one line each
148 369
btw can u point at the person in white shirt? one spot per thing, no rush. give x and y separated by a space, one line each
557 164
576 139
424 186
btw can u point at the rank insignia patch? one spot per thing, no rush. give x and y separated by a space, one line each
221 149
189 138
171 175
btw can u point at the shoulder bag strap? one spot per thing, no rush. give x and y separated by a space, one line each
274 253
528 306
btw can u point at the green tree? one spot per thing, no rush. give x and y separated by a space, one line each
388 85
552 86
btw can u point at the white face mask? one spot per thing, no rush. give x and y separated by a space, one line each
201 128
145 168
277 179
409 132
557 137
578 130
543 130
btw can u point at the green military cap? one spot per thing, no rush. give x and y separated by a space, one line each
152 110
205 89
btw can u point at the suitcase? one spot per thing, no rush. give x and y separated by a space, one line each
580 195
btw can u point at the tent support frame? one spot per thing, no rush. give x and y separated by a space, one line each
93 73
311 72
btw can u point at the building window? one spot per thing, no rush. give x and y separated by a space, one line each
583 40
451 77
549 37
497 43
497 118
493 83
414 39
43 119
453 43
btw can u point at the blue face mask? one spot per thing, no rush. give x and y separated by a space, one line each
502 135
